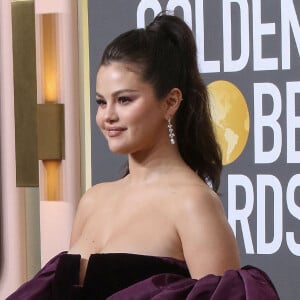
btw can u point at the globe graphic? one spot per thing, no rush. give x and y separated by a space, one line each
230 116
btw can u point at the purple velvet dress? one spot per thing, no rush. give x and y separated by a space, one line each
123 276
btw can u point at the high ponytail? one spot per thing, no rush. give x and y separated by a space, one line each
165 54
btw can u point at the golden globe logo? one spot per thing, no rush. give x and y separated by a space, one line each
230 117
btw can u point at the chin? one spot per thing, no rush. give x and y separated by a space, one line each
118 149
123 149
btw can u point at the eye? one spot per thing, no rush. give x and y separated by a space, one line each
101 102
124 99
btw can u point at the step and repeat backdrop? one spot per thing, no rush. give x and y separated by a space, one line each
249 57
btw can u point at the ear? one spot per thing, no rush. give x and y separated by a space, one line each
172 101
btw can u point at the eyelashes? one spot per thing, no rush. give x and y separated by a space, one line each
100 102
122 100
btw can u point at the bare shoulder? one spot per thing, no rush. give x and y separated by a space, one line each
201 201
208 243
95 196
90 198
199 208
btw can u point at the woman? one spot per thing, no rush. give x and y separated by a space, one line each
158 232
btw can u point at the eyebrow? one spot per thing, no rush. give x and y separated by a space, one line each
116 93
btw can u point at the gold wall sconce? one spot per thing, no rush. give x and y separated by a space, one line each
39 128
51 113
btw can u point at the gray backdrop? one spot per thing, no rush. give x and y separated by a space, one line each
263 183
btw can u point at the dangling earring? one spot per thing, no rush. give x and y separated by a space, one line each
171 132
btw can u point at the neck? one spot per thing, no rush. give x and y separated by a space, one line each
150 165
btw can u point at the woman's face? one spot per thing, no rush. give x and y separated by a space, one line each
129 115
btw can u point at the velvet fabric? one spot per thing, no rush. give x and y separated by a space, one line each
123 276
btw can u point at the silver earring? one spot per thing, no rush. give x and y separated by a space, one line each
171 132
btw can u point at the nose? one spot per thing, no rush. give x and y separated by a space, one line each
110 114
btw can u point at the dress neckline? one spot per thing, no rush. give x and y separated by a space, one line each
169 258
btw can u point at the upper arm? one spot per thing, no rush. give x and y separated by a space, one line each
208 243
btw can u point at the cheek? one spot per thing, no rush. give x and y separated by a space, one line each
99 119
146 121
143 112
137 120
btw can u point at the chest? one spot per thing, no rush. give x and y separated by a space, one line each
145 227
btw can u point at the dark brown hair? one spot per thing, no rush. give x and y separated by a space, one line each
166 56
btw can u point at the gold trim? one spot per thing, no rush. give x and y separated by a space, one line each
84 63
